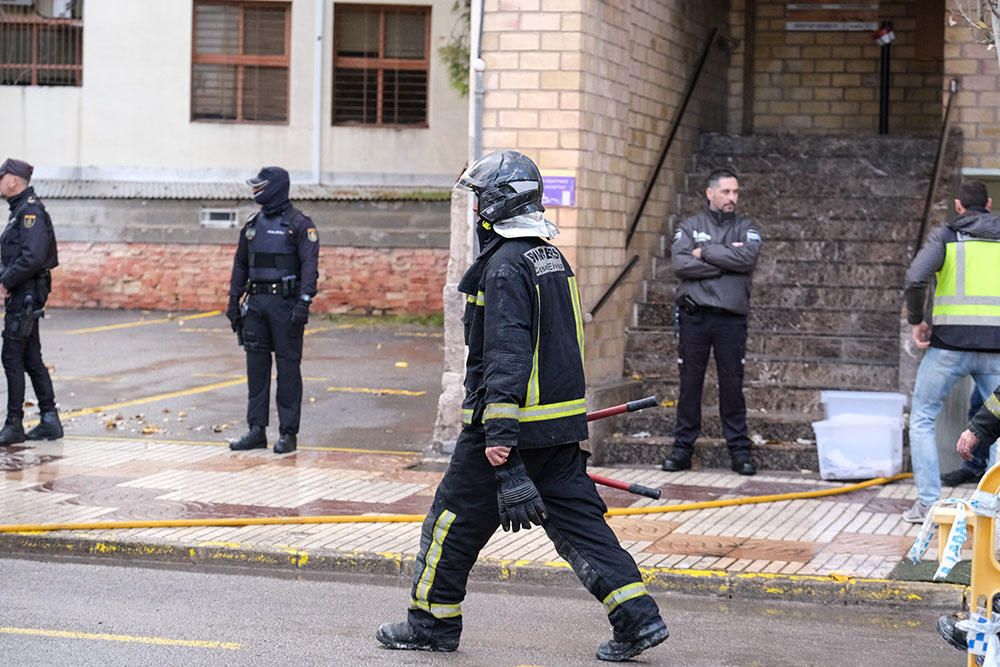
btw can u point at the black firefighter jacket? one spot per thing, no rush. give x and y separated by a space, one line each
524 377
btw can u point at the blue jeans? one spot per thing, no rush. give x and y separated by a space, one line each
938 373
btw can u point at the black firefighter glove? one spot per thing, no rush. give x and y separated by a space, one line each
517 497
233 312
300 313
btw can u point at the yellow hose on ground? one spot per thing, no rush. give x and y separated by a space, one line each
417 518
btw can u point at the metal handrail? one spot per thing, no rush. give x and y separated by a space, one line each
674 127
938 163
651 182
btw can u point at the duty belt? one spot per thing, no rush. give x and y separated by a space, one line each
260 287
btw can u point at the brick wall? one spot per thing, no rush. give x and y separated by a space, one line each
829 81
196 277
975 110
590 87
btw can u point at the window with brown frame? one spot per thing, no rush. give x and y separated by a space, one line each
240 61
38 50
380 64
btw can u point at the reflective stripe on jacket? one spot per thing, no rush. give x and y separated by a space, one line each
524 329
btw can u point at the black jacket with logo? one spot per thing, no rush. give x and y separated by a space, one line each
267 259
28 244
723 276
524 378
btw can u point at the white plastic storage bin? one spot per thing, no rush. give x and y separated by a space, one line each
852 446
882 403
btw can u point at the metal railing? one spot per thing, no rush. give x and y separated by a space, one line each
938 163
651 181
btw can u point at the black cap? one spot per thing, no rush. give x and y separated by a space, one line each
17 168
266 175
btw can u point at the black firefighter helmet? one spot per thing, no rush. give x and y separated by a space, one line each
506 183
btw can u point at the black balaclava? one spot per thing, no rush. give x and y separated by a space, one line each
273 197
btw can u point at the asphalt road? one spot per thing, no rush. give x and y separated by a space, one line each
81 614
174 376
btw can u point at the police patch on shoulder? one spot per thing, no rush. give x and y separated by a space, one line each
311 233
753 235
678 234
545 259
29 221
250 233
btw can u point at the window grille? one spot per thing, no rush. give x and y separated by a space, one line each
381 65
38 50
239 68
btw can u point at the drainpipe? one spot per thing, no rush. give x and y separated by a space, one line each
317 154
476 85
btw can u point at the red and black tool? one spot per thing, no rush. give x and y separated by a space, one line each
631 406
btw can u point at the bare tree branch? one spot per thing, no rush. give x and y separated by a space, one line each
983 19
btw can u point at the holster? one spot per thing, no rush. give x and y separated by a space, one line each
239 323
27 318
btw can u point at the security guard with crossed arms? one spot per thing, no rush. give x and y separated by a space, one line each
276 267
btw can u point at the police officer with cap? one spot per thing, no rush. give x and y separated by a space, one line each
276 267
518 460
27 253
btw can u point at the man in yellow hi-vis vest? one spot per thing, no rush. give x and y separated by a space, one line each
964 257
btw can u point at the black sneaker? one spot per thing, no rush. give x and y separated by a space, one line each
614 650
676 462
255 438
11 433
946 628
960 476
743 464
48 428
400 636
286 443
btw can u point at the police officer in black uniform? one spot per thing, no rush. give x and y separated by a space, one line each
27 253
518 460
276 266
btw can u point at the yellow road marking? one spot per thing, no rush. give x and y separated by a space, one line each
369 390
157 397
219 443
142 323
316 330
100 636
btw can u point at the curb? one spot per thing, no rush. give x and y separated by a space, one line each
816 589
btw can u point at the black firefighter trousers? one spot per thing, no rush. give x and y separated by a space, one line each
20 355
267 327
464 516
724 335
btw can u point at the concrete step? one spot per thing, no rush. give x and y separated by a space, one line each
760 396
846 181
781 319
771 426
810 147
775 270
643 346
865 375
708 453
843 169
835 230
780 205
810 296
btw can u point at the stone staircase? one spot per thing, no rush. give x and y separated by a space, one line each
838 216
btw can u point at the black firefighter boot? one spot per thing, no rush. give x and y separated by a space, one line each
287 442
11 433
403 636
620 650
255 438
49 428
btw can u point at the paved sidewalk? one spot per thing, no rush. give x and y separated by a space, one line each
834 549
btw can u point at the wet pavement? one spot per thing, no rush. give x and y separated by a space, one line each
363 438
181 376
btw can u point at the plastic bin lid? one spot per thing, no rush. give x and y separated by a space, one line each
847 418
835 394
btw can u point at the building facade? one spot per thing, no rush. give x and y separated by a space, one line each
143 119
